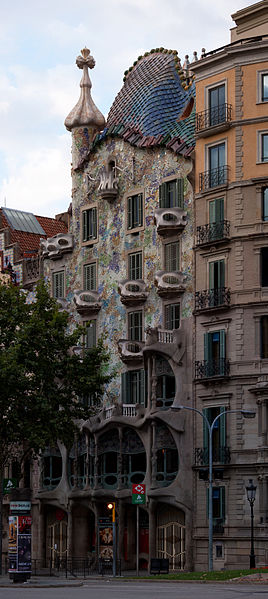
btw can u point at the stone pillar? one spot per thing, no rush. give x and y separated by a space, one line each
121 530
153 455
96 463
70 530
41 551
120 460
152 530
188 542
154 383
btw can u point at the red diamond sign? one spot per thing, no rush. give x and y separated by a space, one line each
138 494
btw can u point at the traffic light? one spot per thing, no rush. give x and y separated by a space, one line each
111 506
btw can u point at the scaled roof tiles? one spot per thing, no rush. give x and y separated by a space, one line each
148 111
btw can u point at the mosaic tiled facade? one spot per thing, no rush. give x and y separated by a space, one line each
132 199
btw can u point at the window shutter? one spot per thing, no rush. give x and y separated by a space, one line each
221 273
219 210
140 210
212 211
90 277
162 196
124 386
94 223
211 275
222 344
222 502
91 335
222 424
180 192
129 213
141 387
84 224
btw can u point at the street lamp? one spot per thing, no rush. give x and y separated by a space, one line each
210 427
251 495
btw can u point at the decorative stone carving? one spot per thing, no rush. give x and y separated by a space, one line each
169 283
169 220
132 291
108 187
55 247
130 351
63 304
87 302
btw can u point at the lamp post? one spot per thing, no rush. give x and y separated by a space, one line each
251 495
210 427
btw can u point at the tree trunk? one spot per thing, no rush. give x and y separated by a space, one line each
1 519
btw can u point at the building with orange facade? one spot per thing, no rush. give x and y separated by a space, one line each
231 298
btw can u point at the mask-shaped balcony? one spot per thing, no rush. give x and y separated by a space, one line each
170 220
130 351
55 247
87 302
169 283
132 291
63 304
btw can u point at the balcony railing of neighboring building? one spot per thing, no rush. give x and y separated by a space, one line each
218 115
212 368
212 298
220 455
213 178
218 526
211 233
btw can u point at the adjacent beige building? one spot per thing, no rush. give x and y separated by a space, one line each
231 299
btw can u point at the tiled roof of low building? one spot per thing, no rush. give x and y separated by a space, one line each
29 242
149 109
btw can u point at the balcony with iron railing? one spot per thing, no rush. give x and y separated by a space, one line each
217 116
220 455
213 178
213 232
211 299
207 369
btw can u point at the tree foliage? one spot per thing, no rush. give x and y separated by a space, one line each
41 378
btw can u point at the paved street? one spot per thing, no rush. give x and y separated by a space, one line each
151 590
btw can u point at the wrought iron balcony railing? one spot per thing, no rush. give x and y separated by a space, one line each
211 368
210 233
218 526
220 455
212 298
213 178
212 117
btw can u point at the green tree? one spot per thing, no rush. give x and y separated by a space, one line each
41 378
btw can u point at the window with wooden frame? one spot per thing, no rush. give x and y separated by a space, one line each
135 325
171 194
135 266
89 224
58 284
265 204
133 387
172 256
91 334
90 276
135 211
172 316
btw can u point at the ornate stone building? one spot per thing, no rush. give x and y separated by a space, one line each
231 309
125 270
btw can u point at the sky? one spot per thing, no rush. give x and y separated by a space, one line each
39 80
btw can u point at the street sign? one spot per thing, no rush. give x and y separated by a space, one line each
9 484
138 494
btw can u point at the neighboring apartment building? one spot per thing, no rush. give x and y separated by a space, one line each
20 234
126 271
231 299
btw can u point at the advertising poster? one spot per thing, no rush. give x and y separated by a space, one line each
106 542
24 553
19 543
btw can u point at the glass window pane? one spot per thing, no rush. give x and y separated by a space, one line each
264 337
264 148
265 204
264 87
